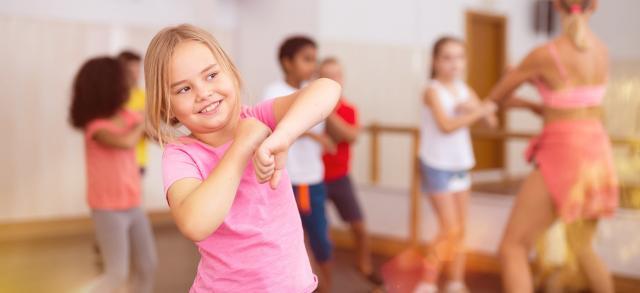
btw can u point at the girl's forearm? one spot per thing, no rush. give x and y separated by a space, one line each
313 104
462 121
340 130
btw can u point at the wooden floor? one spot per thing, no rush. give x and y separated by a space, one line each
65 264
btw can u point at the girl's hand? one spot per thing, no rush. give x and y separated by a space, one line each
520 102
491 120
489 107
250 134
467 106
270 159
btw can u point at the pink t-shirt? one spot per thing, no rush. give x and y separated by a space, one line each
113 177
259 247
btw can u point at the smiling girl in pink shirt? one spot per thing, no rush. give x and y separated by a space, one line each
225 181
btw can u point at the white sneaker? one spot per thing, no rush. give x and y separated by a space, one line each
424 287
456 287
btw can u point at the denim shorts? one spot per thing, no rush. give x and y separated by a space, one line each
434 181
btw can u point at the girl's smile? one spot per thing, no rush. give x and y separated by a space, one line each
204 95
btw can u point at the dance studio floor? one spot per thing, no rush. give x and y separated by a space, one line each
65 264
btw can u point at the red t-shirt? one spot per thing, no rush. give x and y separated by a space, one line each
337 165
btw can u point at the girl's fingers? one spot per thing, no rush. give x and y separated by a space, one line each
263 169
264 156
275 179
264 177
262 164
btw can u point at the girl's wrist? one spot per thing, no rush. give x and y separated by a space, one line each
282 136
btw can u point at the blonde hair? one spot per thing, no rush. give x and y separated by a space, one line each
575 25
159 123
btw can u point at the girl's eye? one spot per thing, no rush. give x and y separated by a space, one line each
183 90
211 76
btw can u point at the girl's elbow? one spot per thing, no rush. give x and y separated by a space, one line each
195 231
129 144
332 85
352 138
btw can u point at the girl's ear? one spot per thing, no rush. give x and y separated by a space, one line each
172 118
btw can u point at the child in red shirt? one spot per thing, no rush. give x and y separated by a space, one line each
342 126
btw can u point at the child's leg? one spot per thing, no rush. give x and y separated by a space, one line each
311 202
450 229
342 194
456 268
112 233
143 248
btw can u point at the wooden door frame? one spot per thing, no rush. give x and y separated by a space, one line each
502 20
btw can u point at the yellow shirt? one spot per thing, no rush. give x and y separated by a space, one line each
136 103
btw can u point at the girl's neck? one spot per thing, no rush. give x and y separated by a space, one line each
293 82
446 80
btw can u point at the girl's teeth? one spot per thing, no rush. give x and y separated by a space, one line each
210 107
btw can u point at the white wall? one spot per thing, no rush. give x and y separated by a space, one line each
44 43
128 12
262 26
617 23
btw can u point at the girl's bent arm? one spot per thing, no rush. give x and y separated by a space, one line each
340 130
298 112
199 207
125 141
526 71
448 124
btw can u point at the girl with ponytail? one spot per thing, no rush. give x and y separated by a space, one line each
573 180
575 20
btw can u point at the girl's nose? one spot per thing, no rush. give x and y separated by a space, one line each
202 93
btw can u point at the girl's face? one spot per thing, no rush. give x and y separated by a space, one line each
203 96
451 61
332 71
303 64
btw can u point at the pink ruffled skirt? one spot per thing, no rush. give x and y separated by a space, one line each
576 162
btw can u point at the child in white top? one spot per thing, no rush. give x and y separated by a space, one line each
446 156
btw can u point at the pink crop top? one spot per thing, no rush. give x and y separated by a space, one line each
574 97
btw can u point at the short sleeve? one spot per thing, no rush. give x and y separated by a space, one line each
354 116
177 164
348 113
131 117
97 125
263 111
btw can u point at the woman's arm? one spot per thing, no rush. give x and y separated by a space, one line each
529 69
341 131
199 207
518 102
125 140
449 124
490 120
295 114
